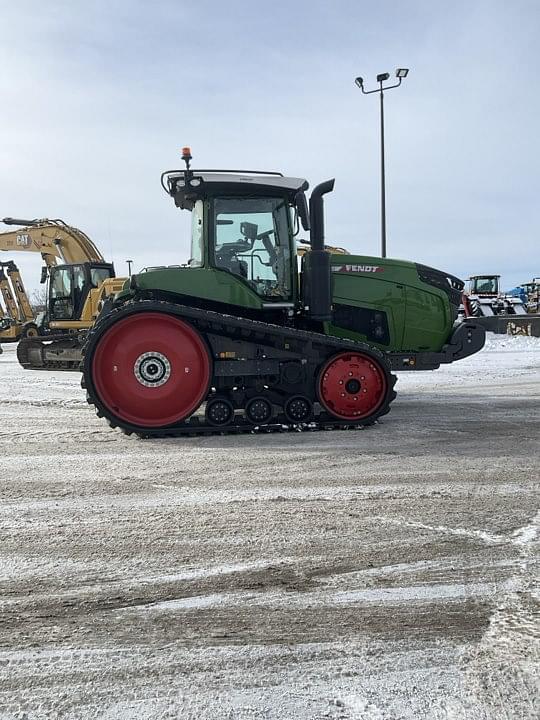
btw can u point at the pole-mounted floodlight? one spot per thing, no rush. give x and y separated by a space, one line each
382 77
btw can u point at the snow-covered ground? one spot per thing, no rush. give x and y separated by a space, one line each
382 574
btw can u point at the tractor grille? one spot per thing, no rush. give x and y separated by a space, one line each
449 284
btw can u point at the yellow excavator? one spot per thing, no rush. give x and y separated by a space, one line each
79 280
17 320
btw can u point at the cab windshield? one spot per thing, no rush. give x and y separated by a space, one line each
251 240
485 285
98 275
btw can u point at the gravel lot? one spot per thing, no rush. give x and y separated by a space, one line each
382 574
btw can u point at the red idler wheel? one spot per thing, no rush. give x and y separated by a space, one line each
151 369
352 386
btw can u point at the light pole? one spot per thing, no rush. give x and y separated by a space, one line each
400 74
129 264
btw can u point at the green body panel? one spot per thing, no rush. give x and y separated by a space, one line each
418 314
203 282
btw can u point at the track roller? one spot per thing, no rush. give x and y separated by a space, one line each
298 409
258 410
219 411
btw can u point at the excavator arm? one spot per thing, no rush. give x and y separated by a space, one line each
25 313
7 295
54 239
18 318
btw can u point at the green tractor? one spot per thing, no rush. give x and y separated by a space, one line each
242 337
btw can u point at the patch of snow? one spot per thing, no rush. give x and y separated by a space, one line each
528 533
489 538
195 602
207 572
504 357
423 593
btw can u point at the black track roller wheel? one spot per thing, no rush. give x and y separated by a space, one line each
298 409
258 410
219 411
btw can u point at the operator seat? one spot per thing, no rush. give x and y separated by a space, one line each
229 261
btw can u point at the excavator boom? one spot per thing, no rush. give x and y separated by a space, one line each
54 239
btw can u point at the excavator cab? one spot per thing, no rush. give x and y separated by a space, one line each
69 286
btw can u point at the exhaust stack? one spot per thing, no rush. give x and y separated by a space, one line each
316 276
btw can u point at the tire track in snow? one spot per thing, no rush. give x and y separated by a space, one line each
502 673
489 538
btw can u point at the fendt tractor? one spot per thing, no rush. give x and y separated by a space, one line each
240 333
484 298
76 288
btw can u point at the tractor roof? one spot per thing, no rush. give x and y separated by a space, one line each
186 188
483 277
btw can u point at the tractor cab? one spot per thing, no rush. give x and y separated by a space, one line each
248 237
243 239
244 223
484 285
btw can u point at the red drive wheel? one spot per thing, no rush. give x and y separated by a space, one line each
151 369
352 386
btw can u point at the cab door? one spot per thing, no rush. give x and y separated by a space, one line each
67 292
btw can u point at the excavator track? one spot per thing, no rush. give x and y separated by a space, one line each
50 352
249 376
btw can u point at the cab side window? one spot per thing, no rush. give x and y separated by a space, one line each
196 259
251 240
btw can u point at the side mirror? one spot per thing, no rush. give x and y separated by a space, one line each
44 273
302 206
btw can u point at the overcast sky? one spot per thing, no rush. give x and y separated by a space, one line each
97 98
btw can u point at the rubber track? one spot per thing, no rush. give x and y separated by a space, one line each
240 328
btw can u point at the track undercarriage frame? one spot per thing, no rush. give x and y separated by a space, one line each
256 375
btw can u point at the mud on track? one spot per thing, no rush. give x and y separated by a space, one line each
380 573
